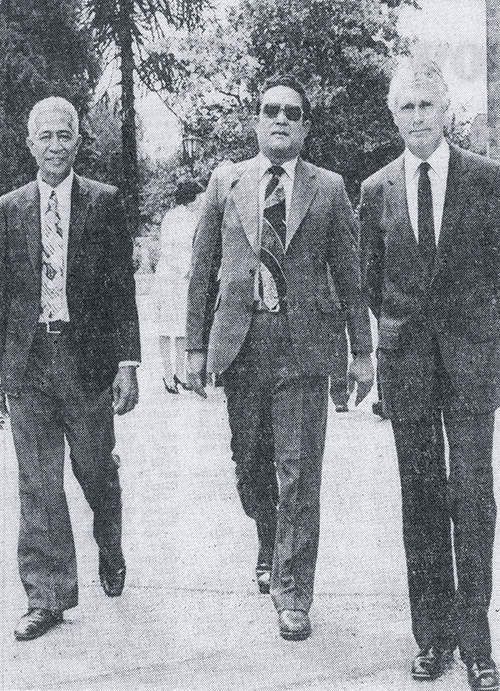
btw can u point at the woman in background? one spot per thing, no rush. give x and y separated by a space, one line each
172 275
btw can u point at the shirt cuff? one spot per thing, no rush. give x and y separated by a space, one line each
129 363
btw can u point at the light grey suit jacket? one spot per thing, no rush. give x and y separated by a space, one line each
322 236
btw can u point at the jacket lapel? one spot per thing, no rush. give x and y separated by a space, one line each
304 190
245 193
457 188
80 206
30 214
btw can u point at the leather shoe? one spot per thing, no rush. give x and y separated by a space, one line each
483 675
112 578
431 663
294 624
36 622
378 409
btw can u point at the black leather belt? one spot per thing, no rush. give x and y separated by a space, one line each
55 327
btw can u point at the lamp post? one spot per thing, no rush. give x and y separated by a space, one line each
190 148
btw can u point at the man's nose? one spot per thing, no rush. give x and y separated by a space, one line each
418 114
55 143
281 117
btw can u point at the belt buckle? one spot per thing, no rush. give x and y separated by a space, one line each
54 327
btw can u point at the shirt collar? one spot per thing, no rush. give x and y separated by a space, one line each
63 188
438 161
288 166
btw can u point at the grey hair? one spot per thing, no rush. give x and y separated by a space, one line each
52 103
416 72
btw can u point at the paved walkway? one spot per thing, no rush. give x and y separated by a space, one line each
190 617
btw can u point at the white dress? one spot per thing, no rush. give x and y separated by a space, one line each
172 271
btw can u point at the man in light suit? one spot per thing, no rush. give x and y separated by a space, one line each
430 237
271 229
69 348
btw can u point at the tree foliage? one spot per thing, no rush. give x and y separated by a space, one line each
124 27
340 49
45 51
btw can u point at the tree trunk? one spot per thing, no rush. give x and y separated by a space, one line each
493 72
129 137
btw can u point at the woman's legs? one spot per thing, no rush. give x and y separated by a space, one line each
166 356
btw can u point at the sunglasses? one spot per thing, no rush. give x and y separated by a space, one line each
292 113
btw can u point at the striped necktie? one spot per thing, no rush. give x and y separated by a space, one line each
52 260
272 282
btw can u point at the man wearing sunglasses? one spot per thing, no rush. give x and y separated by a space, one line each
272 228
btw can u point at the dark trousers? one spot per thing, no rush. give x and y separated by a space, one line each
51 405
265 388
442 613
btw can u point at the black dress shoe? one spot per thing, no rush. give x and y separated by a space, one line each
294 625
483 675
378 409
431 663
36 622
112 578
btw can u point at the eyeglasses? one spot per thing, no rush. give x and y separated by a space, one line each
292 113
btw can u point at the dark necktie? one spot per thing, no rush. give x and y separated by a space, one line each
426 234
272 283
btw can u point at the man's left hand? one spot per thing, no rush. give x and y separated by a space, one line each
125 390
361 372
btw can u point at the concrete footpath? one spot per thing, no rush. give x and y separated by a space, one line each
190 617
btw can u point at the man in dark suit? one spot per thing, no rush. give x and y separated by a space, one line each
271 229
430 238
69 348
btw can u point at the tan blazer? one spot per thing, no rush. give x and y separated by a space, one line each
322 233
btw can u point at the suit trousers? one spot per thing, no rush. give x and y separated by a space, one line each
264 385
433 501
53 405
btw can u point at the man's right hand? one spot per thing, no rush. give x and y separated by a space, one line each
196 364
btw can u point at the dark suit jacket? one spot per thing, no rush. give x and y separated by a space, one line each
99 282
460 306
322 233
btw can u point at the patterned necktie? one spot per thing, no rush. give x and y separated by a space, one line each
426 235
52 260
272 282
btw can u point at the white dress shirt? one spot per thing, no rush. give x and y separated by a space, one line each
438 174
287 179
63 193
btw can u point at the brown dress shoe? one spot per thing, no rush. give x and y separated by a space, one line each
294 625
112 578
36 622
483 675
431 663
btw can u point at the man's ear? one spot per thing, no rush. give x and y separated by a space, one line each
29 144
